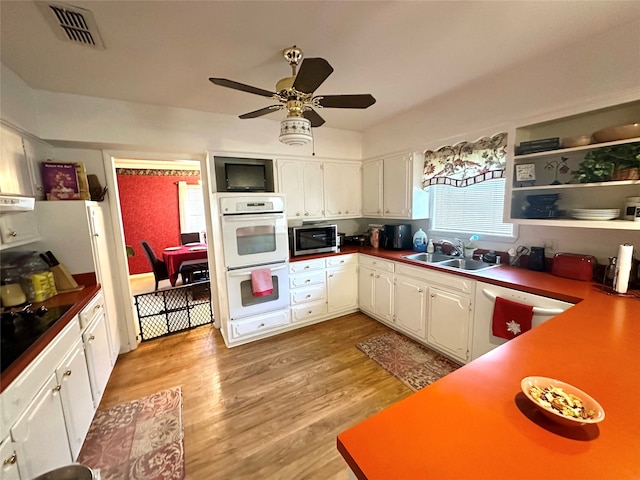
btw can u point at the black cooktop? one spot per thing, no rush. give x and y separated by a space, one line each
21 328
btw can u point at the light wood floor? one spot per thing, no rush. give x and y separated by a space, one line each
267 410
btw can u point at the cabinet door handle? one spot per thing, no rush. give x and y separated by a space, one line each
371 274
308 296
13 233
11 460
67 373
306 214
419 290
57 388
261 325
92 337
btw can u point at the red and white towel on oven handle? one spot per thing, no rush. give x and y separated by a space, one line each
510 318
261 282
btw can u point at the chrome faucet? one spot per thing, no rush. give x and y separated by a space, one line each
458 246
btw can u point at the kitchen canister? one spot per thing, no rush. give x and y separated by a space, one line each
631 205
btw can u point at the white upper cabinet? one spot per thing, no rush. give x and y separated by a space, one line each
372 175
391 188
302 182
342 189
598 175
14 177
20 157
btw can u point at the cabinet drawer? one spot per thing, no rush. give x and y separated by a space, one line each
93 309
342 260
307 279
463 284
19 228
377 263
301 313
306 266
254 326
24 388
305 295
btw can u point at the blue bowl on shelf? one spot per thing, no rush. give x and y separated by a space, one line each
544 199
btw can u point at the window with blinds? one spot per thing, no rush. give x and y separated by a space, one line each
475 209
191 201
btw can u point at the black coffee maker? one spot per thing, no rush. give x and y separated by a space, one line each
396 237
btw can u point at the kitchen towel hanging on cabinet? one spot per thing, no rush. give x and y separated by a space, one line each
510 319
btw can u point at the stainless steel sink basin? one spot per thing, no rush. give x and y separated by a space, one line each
428 257
441 260
466 264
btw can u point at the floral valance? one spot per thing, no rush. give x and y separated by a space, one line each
466 163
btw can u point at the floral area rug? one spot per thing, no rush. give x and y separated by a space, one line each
142 439
413 364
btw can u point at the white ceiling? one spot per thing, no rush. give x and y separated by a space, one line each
402 52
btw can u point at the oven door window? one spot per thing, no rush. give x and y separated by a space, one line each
248 298
256 239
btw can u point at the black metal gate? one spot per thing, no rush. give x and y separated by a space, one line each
172 310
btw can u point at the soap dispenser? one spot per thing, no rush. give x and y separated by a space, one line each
430 247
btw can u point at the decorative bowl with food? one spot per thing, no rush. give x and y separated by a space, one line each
562 402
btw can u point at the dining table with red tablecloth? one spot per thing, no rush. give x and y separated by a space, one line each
175 256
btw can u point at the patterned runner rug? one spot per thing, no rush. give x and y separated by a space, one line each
413 364
142 439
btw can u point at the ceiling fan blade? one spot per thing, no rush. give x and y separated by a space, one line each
346 101
223 82
262 111
315 119
313 71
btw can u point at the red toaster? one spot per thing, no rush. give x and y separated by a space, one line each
573 265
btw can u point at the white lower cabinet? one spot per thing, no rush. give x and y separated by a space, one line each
97 349
9 461
40 434
449 326
259 324
376 287
342 283
75 392
434 308
411 306
376 292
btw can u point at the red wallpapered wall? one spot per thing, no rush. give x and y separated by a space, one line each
150 211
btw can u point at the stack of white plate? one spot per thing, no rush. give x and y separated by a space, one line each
595 213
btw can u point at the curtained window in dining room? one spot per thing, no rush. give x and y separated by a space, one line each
466 182
191 201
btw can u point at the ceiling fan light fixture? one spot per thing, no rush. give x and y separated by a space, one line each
295 131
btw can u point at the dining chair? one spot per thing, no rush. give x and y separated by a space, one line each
160 271
192 237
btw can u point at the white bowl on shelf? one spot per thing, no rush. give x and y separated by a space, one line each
595 213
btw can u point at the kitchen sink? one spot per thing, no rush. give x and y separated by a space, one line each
429 257
441 260
466 264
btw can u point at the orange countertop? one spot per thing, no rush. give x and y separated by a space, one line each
78 299
476 423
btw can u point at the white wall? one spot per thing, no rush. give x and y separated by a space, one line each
17 105
604 67
127 125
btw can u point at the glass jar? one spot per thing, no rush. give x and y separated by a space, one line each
37 281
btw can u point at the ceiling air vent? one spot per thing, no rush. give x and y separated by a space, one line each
73 24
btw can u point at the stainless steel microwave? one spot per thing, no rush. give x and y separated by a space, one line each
308 239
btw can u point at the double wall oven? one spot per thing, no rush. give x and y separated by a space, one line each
255 237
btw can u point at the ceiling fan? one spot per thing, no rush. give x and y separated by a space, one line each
295 94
